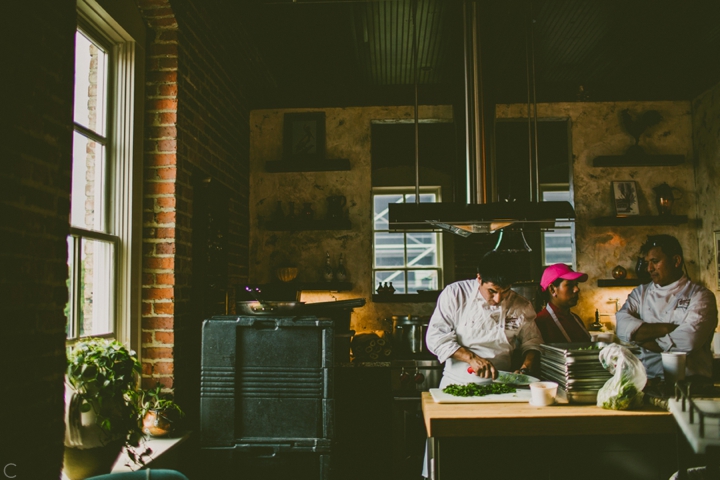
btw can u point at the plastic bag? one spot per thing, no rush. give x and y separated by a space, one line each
624 390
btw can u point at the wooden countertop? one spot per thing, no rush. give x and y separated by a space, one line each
522 419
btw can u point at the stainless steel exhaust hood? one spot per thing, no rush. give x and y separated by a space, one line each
477 216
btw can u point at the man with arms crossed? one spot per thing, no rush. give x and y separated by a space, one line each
670 314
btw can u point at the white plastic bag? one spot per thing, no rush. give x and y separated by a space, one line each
624 390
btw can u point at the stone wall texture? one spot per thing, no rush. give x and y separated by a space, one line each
706 146
347 137
596 130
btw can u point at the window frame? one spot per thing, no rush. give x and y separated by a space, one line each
123 142
440 269
558 187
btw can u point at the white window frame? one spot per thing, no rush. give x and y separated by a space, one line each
123 152
436 190
558 187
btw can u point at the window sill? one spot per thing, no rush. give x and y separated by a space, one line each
430 297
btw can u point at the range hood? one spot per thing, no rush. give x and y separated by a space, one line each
479 217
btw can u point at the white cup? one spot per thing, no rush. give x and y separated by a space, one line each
673 366
716 343
543 393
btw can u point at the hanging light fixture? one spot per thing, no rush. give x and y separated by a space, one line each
476 216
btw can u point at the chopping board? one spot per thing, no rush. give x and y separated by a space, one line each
520 396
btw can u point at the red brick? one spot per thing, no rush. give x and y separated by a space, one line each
168 64
167 308
164 22
162 104
147 308
162 368
167 118
161 263
147 337
158 293
168 36
159 188
158 323
165 233
167 146
147 369
165 218
163 132
165 202
166 382
165 337
167 173
161 77
168 90
157 352
165 279
162 50
164 249
161 159
148 279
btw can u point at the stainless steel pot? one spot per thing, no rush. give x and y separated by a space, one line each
409 334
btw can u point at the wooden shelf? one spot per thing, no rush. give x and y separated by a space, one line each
405 298
331 286
618 282
288 226
638 160
640 220
280 166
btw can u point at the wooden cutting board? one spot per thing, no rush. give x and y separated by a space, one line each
519 396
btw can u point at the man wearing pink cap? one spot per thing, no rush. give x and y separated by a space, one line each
556 322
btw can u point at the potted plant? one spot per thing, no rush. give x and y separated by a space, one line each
101 407
159 414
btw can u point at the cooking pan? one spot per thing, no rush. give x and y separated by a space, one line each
268 308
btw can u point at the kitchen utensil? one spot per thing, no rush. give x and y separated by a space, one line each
516 379
409 334
619 272
665 197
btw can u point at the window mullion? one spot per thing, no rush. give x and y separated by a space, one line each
76 300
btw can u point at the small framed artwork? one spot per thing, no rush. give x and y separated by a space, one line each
626 199
717 258
304 136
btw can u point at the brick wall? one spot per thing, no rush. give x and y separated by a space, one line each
202 73
35 154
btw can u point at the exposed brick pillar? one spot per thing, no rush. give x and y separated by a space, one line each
160 196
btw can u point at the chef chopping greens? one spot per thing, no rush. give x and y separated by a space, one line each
478 323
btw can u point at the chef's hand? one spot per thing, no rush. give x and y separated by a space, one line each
480 366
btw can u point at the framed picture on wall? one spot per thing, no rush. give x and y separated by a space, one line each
717 259
304 136
626 199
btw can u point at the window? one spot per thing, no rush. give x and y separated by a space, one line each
410 260
557 246
100 246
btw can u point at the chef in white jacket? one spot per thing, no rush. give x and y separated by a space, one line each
670 314
478 323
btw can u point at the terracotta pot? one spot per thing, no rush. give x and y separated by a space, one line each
156 424
79 464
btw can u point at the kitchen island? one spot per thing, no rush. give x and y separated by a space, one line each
518 440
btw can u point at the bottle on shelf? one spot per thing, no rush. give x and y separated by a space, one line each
391 289
380 290
341 274
327 272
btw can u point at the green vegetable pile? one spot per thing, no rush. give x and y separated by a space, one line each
477 390
591 347
627 398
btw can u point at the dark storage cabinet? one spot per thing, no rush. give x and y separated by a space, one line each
266 396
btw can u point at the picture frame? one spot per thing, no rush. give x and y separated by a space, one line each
625 198
717 258
304 136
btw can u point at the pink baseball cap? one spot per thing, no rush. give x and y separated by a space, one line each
560 270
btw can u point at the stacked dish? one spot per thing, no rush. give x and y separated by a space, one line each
576 368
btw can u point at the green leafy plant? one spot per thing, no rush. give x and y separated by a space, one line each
165 410
104 375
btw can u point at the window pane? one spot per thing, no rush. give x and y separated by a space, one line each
422 280
70 305
558 248
424 198
556 196
96 287
422 249
88 184
397 278
380 212
90 84
389 250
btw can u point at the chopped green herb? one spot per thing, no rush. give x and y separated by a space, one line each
477 390
591 347
516 378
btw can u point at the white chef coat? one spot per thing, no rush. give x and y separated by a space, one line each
463 317
684 303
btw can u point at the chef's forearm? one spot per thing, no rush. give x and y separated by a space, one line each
464 355
530 360
651 331
652 346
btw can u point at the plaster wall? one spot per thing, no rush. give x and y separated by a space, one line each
596 130
348 137
706 145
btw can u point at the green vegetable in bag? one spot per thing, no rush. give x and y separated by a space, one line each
624 390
